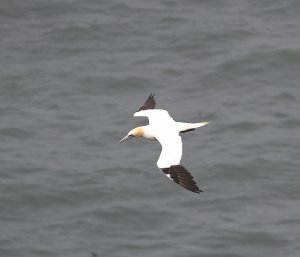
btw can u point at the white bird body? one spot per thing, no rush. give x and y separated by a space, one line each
165 129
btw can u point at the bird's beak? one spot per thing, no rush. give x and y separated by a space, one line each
125 138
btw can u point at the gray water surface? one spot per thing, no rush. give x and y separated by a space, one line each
73 73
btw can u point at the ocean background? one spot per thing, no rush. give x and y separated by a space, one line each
72 73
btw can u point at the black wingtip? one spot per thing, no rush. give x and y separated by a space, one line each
182 177
150 103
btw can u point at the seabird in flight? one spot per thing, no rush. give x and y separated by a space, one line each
165 130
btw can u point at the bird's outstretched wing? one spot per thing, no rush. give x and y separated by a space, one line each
157 118
171 149
169 161
149 104
182 177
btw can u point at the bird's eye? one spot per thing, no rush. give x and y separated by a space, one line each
130 136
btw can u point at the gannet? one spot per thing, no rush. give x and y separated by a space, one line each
165 130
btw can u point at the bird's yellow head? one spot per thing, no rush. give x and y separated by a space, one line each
136 132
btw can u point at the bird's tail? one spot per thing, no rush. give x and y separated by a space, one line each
186 127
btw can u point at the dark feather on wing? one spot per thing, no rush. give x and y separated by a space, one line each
182 177
188 130
149 104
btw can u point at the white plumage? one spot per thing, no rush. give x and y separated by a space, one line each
164 129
